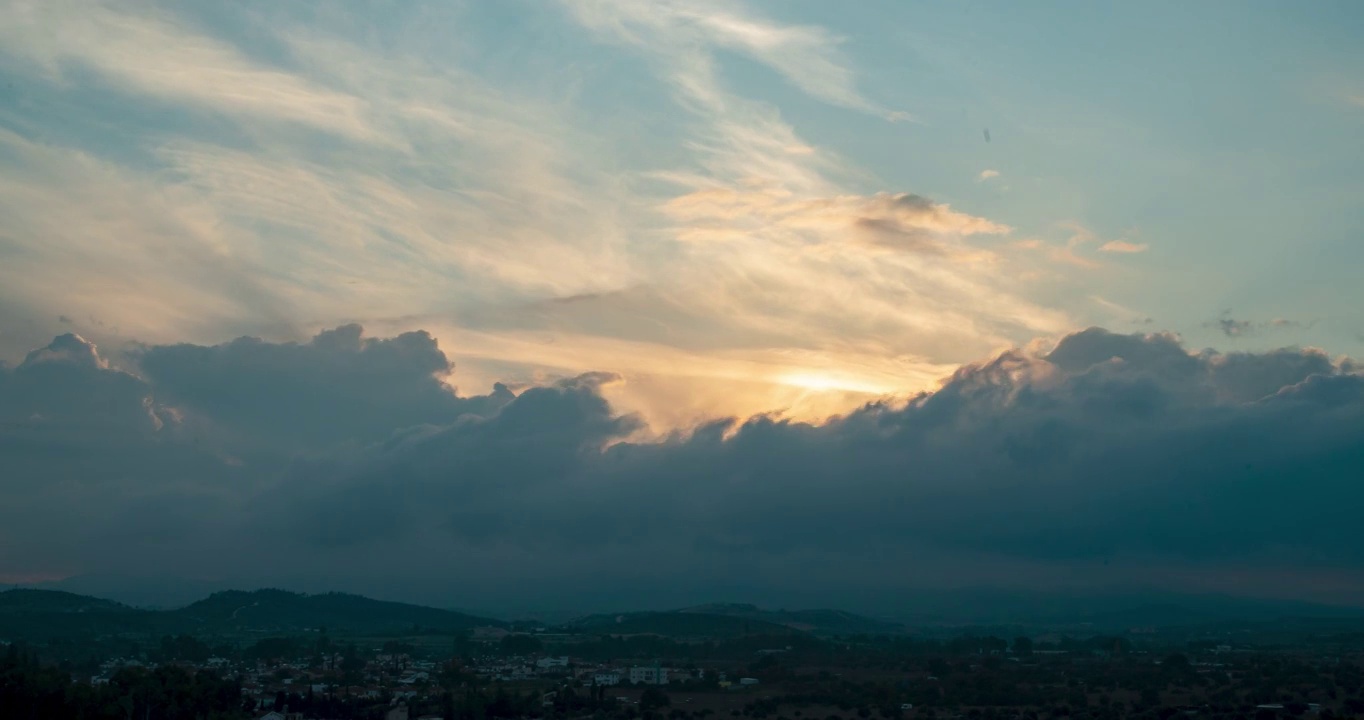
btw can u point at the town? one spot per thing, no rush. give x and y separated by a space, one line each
683 666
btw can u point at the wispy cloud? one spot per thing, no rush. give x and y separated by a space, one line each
901 221
154 56
1233 327
1120 312
1123 246
807 56
333 179
1073 250
987 175
800 253
442 188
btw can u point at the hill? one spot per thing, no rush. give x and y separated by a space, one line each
48 614
1104 611
24 600
679 624
51 614
819 622
282 611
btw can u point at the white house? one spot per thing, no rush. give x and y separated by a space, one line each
551 662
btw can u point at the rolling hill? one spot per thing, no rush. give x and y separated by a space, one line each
47 614
279 610
819 622
679 624
23 600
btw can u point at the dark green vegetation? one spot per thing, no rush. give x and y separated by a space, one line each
728 620
819 622
48 614
29 689
679 624
277 609
237 654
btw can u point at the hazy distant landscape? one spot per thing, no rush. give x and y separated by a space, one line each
339 655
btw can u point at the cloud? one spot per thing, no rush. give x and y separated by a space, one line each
901 220
1122 246
987 175
1107 461
1080 238
68 383
301 170
1231 327
226 216
1234 328
339 386
138 52
807 56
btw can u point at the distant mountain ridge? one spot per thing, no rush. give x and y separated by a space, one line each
1110 611
51 613
25 600
45 613
818 622
282 608
678 624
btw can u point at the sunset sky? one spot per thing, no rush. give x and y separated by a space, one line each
675 212
737 207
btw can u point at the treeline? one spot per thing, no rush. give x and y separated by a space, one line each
31 690
857 650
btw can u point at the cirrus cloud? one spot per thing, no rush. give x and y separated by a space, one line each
1124 247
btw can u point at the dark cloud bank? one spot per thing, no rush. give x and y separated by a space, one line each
1114 461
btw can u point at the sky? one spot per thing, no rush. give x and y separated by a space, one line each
945 293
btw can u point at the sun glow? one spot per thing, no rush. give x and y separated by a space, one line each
828 382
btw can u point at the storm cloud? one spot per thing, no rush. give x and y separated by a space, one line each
351 462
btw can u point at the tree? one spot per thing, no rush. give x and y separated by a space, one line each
652 698
1175 664
520 644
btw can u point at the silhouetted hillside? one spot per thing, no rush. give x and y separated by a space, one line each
818 622
51 614
279 610
1117 611
47 614
23 600
679 624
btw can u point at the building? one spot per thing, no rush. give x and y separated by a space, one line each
607 678
552 662
748 681
649 675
